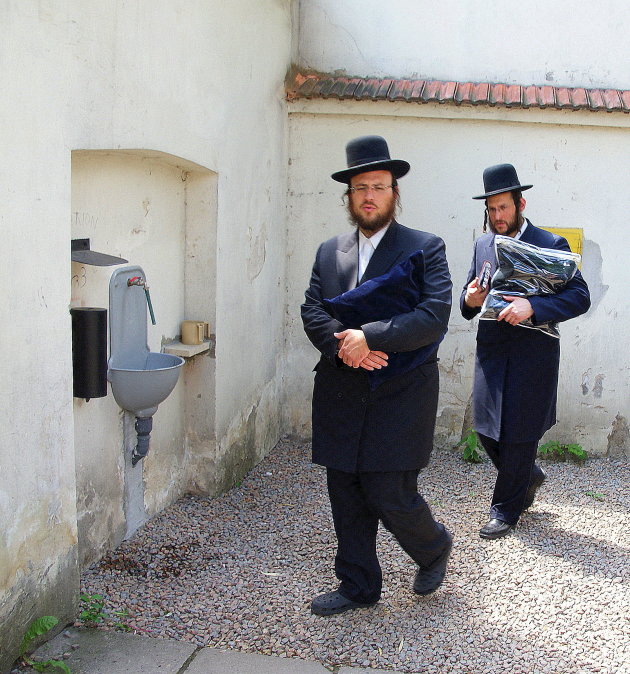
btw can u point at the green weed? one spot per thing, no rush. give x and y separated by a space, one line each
471 443
562 451
92 613
37 629
119 624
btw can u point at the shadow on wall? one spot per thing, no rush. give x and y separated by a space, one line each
592 271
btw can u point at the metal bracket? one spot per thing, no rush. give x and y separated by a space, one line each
80 252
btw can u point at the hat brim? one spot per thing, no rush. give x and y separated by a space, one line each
397 167
522 188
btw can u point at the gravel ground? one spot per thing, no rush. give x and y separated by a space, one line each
239 571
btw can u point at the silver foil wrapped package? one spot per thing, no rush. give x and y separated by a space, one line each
525 270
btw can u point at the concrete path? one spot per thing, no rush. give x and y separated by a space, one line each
93 651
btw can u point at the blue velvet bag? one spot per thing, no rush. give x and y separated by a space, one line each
379 299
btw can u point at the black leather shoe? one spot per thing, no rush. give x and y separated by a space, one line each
334 602
495 529
429 578
533 488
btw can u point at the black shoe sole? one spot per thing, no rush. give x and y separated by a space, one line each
440 575
336 611
494 536
532 491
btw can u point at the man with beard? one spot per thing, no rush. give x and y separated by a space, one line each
373 438
516 368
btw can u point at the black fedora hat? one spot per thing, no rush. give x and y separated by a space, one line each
369 153
500 178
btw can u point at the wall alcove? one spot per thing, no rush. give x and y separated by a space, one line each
160 212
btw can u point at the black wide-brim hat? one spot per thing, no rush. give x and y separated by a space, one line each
369 153
500 178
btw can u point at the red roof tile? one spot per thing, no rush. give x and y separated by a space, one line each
479 93
529 96
546 96
447 91
579 99
322 87
351 88
513 95
563 99
367 88
458 93
430 91
463 92
595 99
612 99
383 88
400 90
496 94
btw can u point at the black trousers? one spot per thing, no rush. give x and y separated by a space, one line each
515 463
359 501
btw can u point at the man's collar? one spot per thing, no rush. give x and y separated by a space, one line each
376 238
520 232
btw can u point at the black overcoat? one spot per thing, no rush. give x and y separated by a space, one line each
516 368
389 428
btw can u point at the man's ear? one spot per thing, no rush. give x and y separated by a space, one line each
521 205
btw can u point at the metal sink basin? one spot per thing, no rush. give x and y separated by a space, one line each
140 379
140 391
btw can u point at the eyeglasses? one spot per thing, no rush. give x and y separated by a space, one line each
363 189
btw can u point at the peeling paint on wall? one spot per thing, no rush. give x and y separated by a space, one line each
241 456
619 438
598 387
257 251
48 589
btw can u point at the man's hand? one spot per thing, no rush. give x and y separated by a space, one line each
474 294
375 360
353 348
517 311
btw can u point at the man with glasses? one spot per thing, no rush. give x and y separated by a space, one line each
376 383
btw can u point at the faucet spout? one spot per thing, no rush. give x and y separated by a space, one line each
139 281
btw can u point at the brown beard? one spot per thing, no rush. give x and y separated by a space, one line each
512 226
373 225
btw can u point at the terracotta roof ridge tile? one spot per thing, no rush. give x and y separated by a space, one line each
321 85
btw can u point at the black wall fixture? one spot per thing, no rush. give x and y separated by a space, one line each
89 352
80 251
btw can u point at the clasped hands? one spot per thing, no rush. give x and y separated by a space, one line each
516 312
354 351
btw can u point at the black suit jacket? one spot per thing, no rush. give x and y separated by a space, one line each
390 428
516 368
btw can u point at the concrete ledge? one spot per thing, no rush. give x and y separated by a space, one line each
186 350
93 651
215 661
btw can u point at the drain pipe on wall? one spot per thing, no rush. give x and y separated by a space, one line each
143 427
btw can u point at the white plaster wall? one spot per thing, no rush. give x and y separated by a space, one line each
578 172
564 42
38 533
202 81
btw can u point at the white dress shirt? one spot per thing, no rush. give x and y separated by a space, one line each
367 248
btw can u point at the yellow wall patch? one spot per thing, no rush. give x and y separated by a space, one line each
573 235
